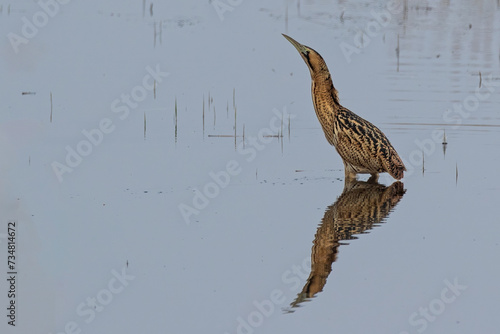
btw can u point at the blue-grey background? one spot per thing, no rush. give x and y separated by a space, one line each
119 209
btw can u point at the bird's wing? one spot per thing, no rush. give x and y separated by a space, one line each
363 144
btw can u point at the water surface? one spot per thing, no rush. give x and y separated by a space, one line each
273 240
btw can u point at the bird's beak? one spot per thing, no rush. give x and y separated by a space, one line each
301 48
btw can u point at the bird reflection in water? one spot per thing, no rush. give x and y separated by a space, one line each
360 207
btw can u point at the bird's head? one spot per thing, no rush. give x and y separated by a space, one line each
313 59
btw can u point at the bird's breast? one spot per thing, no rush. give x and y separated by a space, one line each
324 106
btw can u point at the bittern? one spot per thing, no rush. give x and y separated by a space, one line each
362 206
363 148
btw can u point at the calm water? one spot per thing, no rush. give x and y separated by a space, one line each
215 204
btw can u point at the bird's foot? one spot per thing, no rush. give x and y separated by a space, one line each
373 178
350 176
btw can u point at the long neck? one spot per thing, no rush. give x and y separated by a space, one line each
326 101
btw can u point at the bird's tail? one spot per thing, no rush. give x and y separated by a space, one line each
397 167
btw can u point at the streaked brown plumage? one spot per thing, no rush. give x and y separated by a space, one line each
361 145
360 207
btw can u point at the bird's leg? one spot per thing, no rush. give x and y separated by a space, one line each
373 178
350 174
